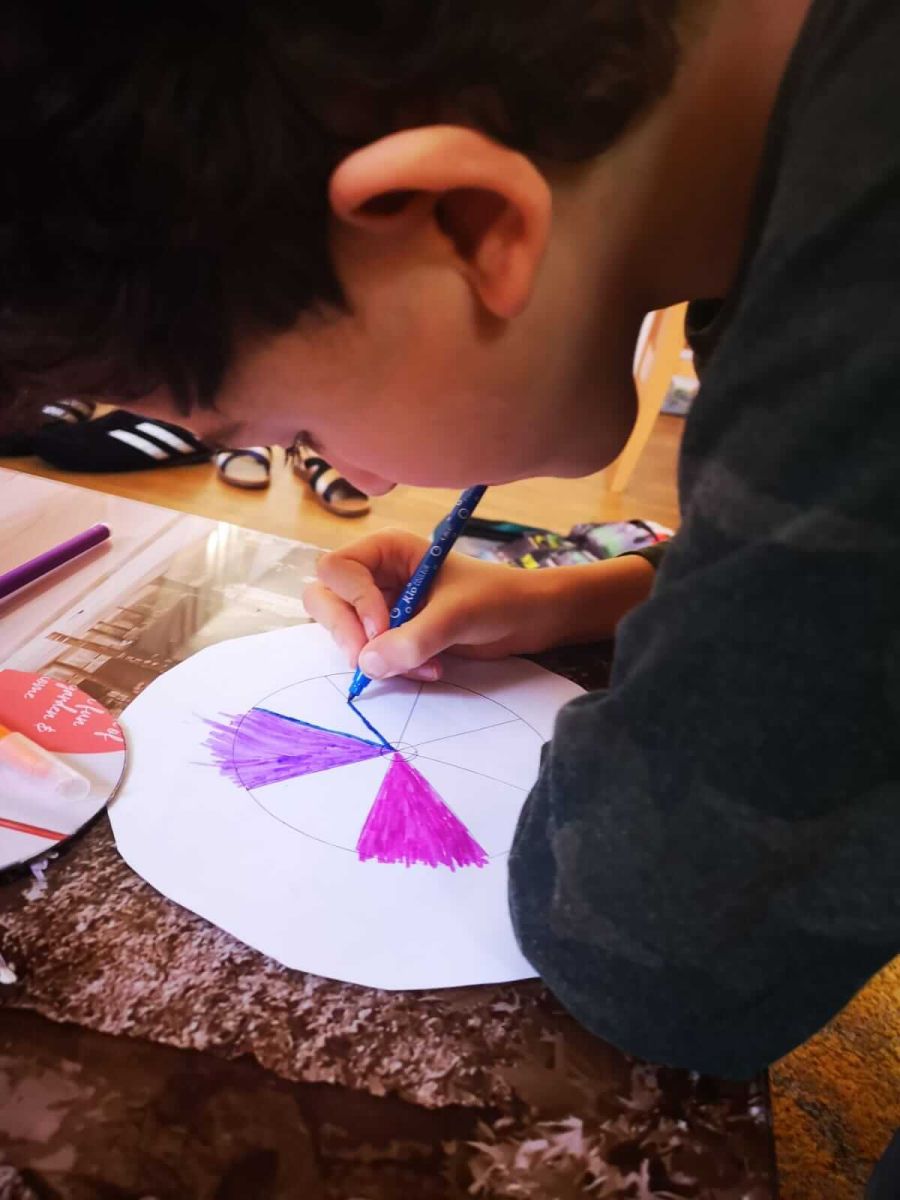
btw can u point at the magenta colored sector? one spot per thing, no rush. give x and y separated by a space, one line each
409 823
261 747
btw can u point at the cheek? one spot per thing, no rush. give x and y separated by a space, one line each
414 458
425 433
367 481
429 452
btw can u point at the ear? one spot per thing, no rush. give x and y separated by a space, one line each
492 204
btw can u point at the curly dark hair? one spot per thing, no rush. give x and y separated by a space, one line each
165 175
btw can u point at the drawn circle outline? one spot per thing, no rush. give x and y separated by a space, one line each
261 703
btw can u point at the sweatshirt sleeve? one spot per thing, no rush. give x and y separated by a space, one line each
654 554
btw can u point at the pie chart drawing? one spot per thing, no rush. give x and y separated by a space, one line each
369 846
442 786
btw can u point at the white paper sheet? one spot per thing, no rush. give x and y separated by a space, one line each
276 860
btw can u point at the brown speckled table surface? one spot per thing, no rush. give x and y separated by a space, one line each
371 1094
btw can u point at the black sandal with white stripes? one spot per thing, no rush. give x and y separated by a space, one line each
70 411
328 485
120 441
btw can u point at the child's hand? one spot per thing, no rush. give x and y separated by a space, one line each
474 608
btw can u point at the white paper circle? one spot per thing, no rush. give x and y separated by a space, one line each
275 863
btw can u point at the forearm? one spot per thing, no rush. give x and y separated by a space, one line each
586 603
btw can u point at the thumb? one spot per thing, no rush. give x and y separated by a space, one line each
404 649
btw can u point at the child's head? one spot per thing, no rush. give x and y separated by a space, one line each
333 216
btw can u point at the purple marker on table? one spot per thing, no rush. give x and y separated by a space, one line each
35 568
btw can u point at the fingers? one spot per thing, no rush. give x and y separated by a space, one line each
342 623
412 647
362 574
389 556
428 672
353 583
349 599
338 617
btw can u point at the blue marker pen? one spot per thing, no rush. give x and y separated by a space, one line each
424 575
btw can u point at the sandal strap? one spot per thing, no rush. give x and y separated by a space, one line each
314 468
71 410
262 455
323 480
339 483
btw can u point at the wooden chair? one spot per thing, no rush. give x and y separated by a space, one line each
660 356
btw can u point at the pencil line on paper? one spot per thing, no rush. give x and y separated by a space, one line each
457 767
342 692
466 732
411 711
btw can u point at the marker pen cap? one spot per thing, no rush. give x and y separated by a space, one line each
26 769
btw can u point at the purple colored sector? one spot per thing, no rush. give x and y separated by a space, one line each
409 823
261 747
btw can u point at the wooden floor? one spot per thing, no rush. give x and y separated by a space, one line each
288 509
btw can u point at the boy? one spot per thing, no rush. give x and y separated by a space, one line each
426 233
